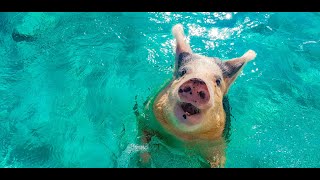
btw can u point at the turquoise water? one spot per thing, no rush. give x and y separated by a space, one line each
69 85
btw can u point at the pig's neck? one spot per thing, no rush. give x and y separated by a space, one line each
213 130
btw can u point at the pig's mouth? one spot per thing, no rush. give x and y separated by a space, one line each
187 113
189 109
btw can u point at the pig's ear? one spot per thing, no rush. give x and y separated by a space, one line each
232 68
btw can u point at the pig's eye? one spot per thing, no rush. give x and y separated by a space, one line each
182 72
218 81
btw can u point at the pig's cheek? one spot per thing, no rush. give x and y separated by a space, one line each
174 93
173 97
217 91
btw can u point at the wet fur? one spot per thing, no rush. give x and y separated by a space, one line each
211 137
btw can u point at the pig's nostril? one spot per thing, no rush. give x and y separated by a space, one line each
180 90
187 89
202 94
184 116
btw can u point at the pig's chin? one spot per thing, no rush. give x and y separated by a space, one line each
187 113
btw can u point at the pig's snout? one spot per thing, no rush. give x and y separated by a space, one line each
194 91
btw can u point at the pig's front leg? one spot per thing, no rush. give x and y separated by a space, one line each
216 155
218 160
145 139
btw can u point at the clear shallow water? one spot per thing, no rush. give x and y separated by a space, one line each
67 96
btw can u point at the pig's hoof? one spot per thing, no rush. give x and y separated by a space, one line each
250 55
145 157
177 29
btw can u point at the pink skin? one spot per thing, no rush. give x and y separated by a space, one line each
190 120
195 92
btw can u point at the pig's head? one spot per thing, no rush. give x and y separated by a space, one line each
192 102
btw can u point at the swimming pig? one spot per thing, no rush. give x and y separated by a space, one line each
189 112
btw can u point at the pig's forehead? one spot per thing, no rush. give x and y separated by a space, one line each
205 63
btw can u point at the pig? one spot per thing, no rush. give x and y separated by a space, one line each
189 111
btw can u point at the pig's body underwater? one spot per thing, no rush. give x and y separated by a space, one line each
190 112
